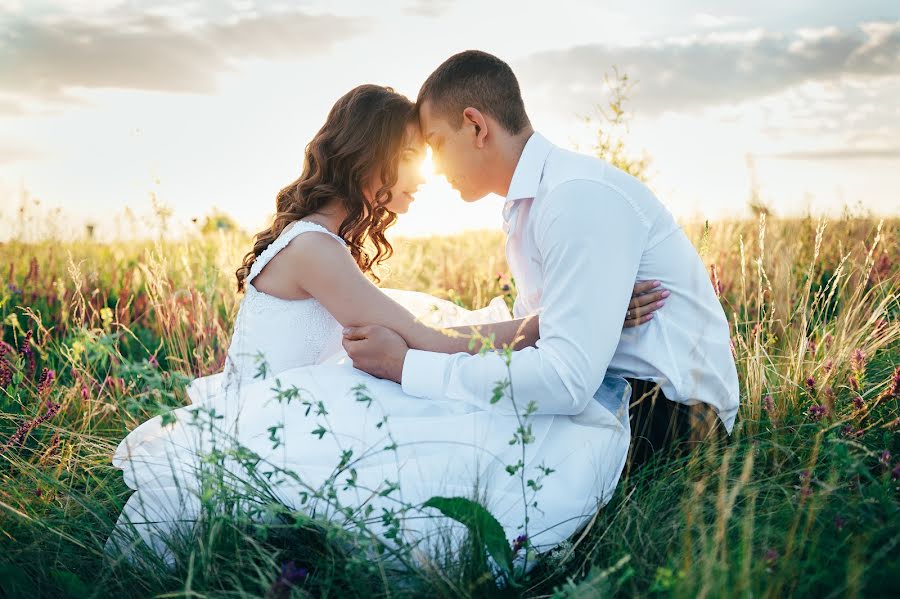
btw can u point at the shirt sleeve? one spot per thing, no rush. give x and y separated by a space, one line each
591 238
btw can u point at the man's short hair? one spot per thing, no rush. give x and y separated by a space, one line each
480 80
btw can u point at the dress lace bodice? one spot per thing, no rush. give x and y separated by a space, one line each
282 333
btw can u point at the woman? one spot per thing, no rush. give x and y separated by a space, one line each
326 436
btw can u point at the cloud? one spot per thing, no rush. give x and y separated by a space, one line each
16 153
842 154
714 69
43 60
428 8
708 21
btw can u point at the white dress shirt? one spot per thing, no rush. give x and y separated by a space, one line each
580 233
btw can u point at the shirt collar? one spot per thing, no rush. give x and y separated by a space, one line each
527 176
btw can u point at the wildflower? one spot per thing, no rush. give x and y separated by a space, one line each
13 289
817 412
885 457
811 385
153 362
828 340
811 347
28 353
77 349
24 428
46 380
839 523
858 402
828 366
85 394
771 556
768 404
854 383
519 542
290 575
6 371
106 316
858 360
895 383
847 430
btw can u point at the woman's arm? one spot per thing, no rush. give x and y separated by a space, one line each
324 269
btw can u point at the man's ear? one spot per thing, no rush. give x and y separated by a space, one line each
472 117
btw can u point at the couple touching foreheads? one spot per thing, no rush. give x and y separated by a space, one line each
617 328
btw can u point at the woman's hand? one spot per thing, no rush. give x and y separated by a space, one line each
646 299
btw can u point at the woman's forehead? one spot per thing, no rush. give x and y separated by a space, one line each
414 136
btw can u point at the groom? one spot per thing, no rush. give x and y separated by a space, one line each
580 232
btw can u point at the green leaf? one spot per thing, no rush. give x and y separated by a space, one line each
13 581
70 584
481 524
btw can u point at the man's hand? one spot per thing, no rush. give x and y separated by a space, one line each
377 350
644 303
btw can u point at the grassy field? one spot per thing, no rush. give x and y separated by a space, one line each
801 500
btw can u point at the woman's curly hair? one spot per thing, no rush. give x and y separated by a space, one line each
364 134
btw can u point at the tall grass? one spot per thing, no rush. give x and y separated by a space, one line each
802 499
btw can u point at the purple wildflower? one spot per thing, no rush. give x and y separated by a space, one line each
46 380
839 523
811 385
817 412
885 458
858 402
26 351
858 360
768 404
519 542
153 362
854 383
19 436
771 556
290 575
895 383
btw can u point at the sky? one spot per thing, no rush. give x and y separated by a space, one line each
110 107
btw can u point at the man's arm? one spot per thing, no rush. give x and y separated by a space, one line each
591 239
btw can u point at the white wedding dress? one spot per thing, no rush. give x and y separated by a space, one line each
420 448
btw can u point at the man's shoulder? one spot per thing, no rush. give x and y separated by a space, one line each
568 167
564 165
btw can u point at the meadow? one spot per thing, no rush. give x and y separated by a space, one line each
801 500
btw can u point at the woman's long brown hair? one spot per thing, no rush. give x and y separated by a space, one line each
363 134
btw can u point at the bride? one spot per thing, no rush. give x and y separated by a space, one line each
330 440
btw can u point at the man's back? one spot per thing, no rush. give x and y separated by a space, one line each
686 347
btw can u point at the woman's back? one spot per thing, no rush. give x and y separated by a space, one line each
280 333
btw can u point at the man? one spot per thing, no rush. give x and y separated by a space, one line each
580 232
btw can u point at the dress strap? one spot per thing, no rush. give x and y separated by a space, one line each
300 226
